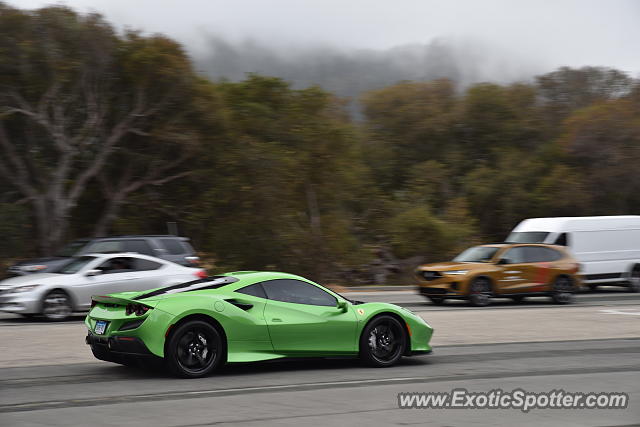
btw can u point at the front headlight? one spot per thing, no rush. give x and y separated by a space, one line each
33 268
457 272
26 288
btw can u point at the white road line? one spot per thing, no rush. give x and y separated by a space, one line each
622 311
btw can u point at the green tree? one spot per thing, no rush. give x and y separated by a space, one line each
76 98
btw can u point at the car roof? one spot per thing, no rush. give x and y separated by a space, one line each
125 255
137 236
260 276
508 244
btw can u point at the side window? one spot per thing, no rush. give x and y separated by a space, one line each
562 240
173 246
254 290
515 255
550 254
298 292
541 254
104 247
116 265
146 265
138 246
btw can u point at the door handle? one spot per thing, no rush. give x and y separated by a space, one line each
276 319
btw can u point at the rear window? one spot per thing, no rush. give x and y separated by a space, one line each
527 237
173 246
213 282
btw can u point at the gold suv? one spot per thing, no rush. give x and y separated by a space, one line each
502 270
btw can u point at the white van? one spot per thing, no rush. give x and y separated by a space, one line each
607 247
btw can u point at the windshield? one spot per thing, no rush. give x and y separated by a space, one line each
72 248
477 254
527 237
75 265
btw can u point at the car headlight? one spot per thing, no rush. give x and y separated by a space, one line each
32 268
457 272
26 288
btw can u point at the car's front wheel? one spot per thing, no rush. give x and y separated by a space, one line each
480 292
195 349
383 342
56 306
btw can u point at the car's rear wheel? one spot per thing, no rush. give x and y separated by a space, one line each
634 280
517 298
480 292
56 306
437 300
383 342
195 349
562 292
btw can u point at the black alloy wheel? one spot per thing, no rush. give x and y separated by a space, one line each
383 341
195 349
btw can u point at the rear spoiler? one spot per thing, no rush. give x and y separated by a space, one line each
107 299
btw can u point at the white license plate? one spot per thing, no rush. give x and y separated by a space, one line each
101 326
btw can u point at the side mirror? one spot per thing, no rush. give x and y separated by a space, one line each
342 306
504 261
92 273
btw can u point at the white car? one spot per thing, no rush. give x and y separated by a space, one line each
56 295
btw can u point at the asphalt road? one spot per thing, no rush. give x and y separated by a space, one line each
47 376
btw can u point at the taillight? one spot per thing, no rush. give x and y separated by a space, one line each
193 260
201 274
138 309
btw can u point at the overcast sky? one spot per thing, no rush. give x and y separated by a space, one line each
546 33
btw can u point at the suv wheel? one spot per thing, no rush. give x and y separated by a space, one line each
562 292
480 292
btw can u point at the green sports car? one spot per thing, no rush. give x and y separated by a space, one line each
195 327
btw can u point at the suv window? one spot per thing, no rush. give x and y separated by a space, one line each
146 265
104 246
138 246
298 292
255 290
540 254
515 255
173 246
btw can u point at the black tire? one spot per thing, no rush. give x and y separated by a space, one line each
634 280
593 286
517 298
437 300
562 291
383 342
57 306
480 292
195 349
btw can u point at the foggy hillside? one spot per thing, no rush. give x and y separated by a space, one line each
351 72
